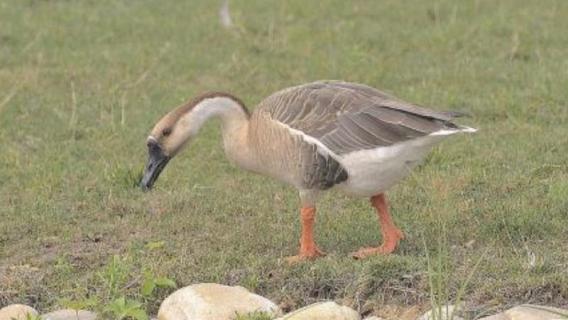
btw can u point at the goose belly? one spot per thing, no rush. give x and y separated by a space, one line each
374 171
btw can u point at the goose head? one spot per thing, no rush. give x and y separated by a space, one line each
163 143
177 128
167 138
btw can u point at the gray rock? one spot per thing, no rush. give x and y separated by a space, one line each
530 312
323 311
210 301
69 314
16 311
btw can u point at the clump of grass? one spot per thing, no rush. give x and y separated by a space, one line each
257 315
440 279
122 308
118 300
30 316
123 177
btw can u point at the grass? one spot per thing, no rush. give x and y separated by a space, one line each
82 82
254 316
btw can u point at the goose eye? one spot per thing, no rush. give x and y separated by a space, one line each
166 132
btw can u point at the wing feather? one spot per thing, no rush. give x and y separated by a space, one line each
348 117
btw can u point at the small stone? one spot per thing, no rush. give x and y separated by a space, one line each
210 301
17 312
446 312
69 314
530 312
323 311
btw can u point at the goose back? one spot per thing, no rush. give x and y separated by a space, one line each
348 117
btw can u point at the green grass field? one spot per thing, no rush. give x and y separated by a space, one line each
83 82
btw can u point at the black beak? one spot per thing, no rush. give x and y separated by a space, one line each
157 161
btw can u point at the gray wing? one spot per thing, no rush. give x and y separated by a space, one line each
349 117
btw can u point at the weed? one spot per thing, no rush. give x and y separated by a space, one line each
114 276
118 300
440 277
80 304
254 316
30 316
152 282
122 308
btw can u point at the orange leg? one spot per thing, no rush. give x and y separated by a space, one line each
391 234
308 248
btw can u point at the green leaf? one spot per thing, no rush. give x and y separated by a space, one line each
133 304
164 282
138 314
148 287
30 316
117 307
122 308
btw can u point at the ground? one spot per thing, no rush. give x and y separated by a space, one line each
82 83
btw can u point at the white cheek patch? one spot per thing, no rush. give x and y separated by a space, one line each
152 139
188 123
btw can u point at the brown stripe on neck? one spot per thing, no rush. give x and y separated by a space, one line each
168 122
209 95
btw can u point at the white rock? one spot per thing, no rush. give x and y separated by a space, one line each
323 311
69 314
17 312
499 316
530 312
444 313
210 301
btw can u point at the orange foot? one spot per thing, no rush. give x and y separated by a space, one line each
391 241
306 255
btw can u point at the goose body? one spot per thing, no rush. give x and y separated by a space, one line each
315 136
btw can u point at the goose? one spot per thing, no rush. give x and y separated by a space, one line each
315 137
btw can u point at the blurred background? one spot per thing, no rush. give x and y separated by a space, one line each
83 82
